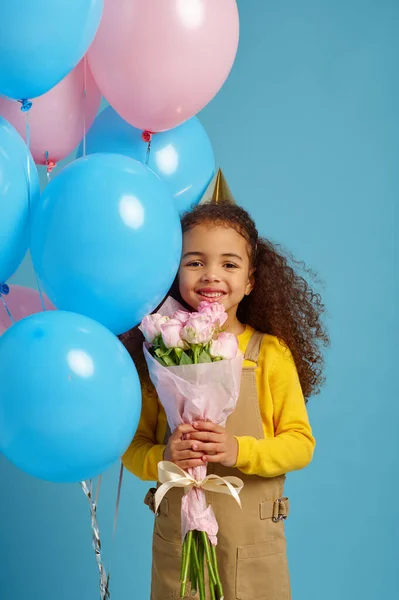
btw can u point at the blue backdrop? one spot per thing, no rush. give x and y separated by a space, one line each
306 130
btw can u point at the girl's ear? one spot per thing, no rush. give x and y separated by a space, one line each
250 283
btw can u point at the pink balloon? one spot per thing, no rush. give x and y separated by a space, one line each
21 302
57 119
159 62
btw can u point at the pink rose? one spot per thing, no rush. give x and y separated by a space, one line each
225 346
182 316
171 334
199 329
150 326
215 311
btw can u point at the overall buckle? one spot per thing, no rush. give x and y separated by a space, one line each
280 510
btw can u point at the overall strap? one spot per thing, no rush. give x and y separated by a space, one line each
254 345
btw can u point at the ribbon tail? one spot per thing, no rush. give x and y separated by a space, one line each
225 485
233 492
161 492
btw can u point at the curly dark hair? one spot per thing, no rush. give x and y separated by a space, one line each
282 302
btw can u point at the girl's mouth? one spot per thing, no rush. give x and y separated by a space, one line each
211 295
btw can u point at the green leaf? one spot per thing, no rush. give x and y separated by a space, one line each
177 352
162 345
204 357
185 359
161 362
157 341
168 361
162 353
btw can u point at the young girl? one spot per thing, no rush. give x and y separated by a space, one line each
277 319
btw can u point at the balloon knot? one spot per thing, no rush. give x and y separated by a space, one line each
50 166
25 105
4 289
146 136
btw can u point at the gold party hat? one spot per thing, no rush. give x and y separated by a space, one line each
218 191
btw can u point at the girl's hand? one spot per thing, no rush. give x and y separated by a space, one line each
179 449
217 444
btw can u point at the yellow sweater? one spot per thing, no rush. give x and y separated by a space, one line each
288 443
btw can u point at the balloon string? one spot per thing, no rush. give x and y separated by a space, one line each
98 488
146 136
87 488
84 102
118 498
50 165
7 310
4 291
96 541
147 157
28 183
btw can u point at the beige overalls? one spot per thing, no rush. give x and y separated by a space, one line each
251 542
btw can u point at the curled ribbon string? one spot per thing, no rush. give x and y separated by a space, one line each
87 489
118 497
4 291
100 478
146 136
28 184
50 165
170 476
84 102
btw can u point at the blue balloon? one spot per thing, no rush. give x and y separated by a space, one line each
14 198
182 157
41 41
70 397
106 240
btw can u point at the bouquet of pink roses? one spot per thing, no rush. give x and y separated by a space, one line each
201 382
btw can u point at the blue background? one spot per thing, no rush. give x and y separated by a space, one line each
306 130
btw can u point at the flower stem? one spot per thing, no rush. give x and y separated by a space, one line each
196 353
201 576
186 564
194 565
205 540
219 586
183 558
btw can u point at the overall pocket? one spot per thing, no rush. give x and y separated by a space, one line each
262 572
166 563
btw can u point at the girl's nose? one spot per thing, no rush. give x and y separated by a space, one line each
210 277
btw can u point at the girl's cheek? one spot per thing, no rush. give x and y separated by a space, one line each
184 291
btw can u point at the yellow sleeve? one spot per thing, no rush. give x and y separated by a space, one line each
144 454
291 448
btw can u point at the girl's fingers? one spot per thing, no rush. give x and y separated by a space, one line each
189 454
205 436
208 426
207 448
215 458
183 445
182 430
190 464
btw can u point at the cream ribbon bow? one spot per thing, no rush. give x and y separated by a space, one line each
170 476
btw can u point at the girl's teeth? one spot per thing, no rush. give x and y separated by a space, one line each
214 295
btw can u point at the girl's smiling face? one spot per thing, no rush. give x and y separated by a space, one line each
215 267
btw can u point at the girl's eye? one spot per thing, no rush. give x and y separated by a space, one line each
194 263
230 266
